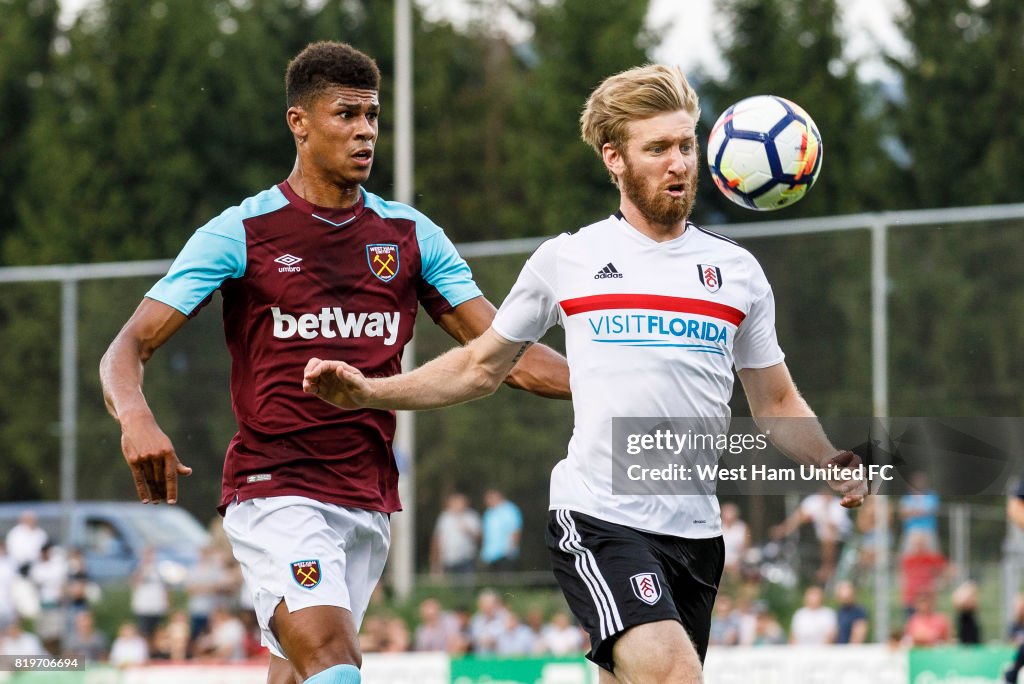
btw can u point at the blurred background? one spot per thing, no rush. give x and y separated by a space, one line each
126 124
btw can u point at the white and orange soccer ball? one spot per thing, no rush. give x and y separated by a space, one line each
764 152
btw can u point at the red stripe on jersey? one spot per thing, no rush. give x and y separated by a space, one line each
700 307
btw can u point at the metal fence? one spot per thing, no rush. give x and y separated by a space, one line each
93 299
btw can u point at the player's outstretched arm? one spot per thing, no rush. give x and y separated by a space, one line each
150 455
542 370
458 375
773 397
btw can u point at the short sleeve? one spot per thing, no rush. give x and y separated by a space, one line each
214 253
532 305
756 343
444 271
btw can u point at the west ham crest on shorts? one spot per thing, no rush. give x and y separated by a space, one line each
306 573
646 587
710 277
383 260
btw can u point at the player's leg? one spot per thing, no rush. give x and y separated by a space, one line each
656 652
321 641
281 672
295 554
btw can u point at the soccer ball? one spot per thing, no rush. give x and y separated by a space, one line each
764 152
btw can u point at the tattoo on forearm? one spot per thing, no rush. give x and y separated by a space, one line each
522 350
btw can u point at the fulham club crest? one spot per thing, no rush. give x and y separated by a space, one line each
710 277
646 587
306 573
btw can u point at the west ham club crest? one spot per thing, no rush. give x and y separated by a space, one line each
306 573
383 260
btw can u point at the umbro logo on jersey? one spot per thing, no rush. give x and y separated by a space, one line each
608 271
288 263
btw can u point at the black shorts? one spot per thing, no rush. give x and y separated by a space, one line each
615 577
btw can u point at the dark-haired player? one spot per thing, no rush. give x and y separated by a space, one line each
658 314
312 266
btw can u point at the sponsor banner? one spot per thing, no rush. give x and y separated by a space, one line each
523 671
737 457
960 665
877 664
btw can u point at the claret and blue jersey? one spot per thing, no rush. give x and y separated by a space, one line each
299 281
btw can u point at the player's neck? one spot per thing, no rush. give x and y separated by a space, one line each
659 232
322 192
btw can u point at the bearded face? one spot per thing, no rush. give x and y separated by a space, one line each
665 201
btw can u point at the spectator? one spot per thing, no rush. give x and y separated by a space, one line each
206 585
225 639
129 648
85 641
867 514
768 632
50 576
851 618
516 639
965 603
814 624
396 639
1015 632
178 635
746 612
488 623
16 641
25 542
374 634
456 535
831 525
150 601
502 529
725 627
7 573
923 570
80 589
462 644
437 629
926 627
560 637
919 513
736 536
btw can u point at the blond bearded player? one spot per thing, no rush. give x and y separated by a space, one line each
637 294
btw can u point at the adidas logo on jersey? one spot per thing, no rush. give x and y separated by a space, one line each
608 271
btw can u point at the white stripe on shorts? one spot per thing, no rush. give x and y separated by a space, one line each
586 567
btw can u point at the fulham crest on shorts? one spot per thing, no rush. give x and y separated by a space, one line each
646 587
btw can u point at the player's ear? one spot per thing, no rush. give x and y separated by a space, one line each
613 159
297 118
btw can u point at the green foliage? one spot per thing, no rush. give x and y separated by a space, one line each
962 91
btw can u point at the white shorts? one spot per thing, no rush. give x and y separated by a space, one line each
308 553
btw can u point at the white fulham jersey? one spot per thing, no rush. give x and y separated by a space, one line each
652 329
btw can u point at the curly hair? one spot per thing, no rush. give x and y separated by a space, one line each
325 64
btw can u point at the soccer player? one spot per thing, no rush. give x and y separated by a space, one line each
312 266
637 294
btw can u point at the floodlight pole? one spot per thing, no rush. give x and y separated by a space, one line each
880 410
403 557
68 404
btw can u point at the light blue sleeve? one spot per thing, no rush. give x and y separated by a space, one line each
444 269
214 253
441 267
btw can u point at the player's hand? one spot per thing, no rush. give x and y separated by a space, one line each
150 455
852 490
337 383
